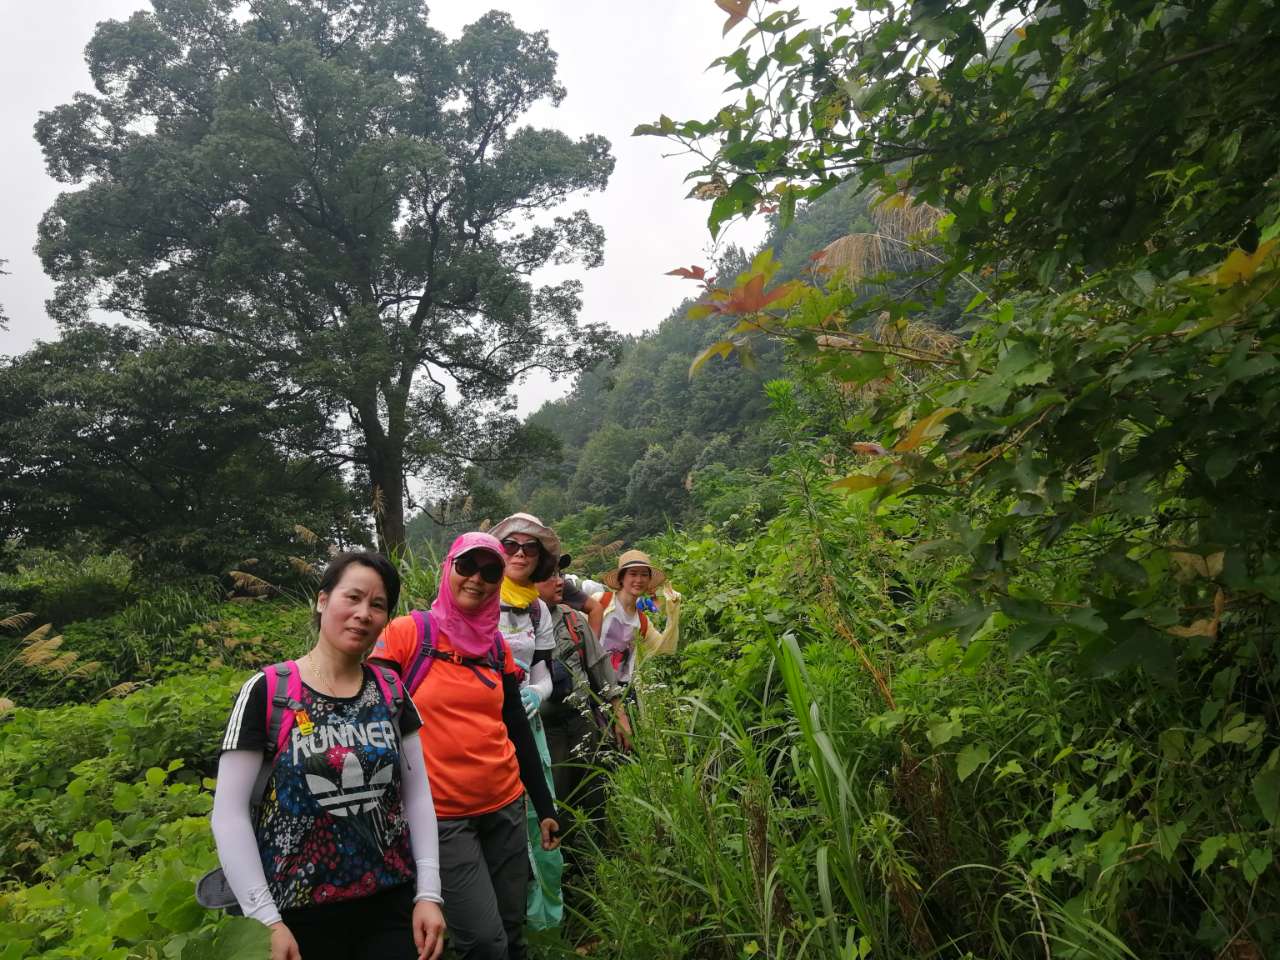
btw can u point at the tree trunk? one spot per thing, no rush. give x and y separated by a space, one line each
386 479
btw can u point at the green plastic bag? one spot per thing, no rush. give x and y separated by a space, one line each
545 906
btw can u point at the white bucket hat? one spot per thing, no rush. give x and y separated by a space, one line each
527 523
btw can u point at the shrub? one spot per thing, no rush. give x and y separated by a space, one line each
59 588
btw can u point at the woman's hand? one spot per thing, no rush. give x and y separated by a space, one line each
283 946
550 833
428 929
622 726
531 700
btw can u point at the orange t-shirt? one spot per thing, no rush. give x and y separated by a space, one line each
471 763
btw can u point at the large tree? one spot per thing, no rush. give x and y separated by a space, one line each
343 191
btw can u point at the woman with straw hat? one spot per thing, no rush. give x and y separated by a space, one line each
625 629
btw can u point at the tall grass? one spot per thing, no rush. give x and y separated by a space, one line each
823 772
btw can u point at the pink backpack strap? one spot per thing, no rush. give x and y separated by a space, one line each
389 684
421 661
282 704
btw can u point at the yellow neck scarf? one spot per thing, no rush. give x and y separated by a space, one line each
514 595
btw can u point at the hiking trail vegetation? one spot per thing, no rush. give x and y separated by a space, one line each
967 477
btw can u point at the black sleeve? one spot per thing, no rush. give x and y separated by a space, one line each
410 719
541 655
521 736
573 596
247 725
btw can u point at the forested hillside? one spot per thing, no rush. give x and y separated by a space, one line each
640 444
980 643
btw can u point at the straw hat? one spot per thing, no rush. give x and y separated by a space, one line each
634 558
527 523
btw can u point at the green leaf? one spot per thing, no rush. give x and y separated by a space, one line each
944 731
1210 847
1168 836
1027 636
1255 864
242 937
1221 462
970 758
1266 791
124 798
1078 818
862 482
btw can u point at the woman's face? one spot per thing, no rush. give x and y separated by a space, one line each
354 612
520 565
470 592
635 580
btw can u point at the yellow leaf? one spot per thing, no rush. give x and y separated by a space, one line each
721 348
1213 564
920 432
897 201
1241 266
860 481
1190 564
1201 628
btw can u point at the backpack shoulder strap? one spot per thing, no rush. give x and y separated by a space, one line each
422 660
389 683
284 696
535 614
571 625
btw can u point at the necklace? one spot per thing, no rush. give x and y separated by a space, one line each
327 680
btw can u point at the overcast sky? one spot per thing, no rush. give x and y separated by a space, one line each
623 63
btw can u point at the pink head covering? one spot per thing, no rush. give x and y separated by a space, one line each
470 633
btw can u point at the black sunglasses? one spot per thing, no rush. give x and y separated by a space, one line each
467 565
530 548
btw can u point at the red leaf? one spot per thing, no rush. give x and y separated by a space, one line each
870 449
767 208
689 273
737 11
750 297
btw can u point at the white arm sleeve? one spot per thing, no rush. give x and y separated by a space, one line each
233 834
540 679
420 812
544 638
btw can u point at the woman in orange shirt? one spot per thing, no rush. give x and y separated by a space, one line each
480 753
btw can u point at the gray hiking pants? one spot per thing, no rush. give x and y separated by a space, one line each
484 873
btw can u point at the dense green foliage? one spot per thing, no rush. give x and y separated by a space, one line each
190 456
1091 464
979 654
343 193
822 766
106 823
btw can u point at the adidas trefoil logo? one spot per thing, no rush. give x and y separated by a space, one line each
352 795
